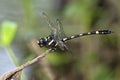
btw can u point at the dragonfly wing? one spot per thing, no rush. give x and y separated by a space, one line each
50 24
60 31
60 35
62 46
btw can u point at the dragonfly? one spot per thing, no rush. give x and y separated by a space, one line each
57 38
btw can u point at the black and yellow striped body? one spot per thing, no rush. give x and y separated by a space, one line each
100 32
52 43
48 42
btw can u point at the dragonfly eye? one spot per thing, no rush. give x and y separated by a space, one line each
41 42
51 37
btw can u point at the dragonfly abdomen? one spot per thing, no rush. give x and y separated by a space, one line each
100 32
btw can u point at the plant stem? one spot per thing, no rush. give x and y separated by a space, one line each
11 55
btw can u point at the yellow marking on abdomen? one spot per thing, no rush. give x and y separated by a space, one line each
89 33
72 37
97 32
64 39
80 34
50 42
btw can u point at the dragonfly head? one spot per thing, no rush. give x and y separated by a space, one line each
41 42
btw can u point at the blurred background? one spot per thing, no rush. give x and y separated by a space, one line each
92 57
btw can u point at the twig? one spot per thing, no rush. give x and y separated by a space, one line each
8 75
45 65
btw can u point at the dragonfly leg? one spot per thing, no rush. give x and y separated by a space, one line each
53 49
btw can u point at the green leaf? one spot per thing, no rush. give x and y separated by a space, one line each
7 32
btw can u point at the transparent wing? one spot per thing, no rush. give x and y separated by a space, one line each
50 24
60 31
60 35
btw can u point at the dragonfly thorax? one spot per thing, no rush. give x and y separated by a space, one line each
49 42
